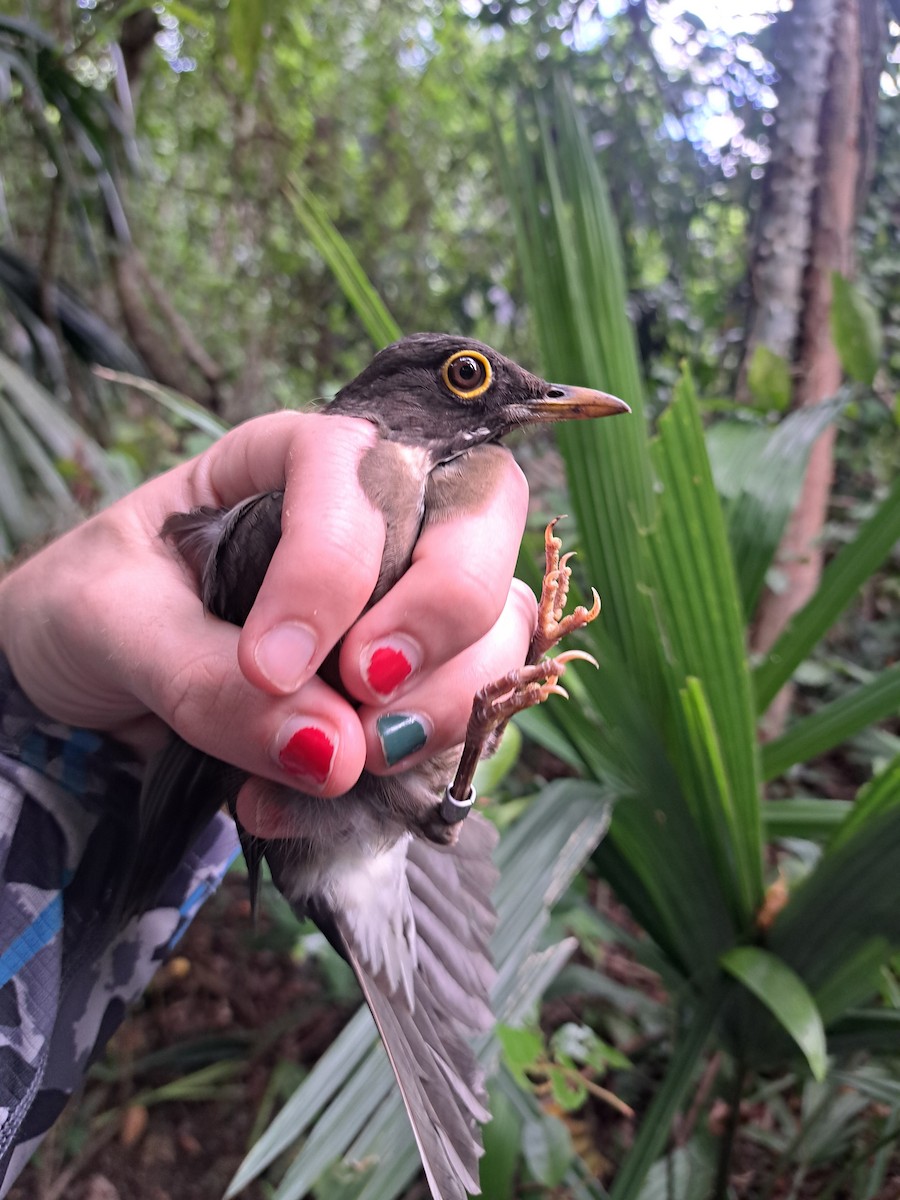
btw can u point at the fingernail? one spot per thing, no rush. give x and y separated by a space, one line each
284 654
401 734
391 662
305 750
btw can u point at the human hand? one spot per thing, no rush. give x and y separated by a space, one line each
104 629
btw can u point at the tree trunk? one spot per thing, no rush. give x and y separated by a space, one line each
781 253
827 247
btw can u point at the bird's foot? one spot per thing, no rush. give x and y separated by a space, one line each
529 685
524 688
552 626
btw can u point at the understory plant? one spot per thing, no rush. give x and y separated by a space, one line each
773 976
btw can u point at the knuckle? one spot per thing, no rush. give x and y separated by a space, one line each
189 695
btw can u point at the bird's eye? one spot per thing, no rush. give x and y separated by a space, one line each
467 374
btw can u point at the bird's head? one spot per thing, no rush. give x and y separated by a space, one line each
454 393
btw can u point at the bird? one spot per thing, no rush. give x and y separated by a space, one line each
397 875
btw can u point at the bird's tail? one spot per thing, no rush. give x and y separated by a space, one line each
426 1027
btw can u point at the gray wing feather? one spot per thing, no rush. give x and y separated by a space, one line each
440 1080
229 550
455 919
445 1128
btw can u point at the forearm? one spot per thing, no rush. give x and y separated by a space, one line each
68 824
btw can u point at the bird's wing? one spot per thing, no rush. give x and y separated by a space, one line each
182 792
184 788
229 550
416 930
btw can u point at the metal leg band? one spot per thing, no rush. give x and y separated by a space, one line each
453 810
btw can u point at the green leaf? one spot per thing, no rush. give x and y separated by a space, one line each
856 978
580 1044
370 308
834 723
872 1031
760 474
880 795
525 1106
541 726
843 920
567 1088
180 406
735 449
700 635
502 1147
677 1087
84 131
785 995
571 258
841 580
548 1149
342 1181
572 266
204 1084
491 772
246 19
712 798
188 15
386 1141
769 379
53 430
17 508
538 857
577 978
804 817
685 1174
521 1050
353 1075
89 336
856 330
873 1083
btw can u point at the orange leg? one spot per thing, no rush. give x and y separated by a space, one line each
532 684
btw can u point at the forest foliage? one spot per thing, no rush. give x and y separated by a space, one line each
236 204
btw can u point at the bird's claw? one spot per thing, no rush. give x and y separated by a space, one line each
551 625
529 685
521 689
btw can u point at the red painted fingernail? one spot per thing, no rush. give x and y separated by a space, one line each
308 751
390 664
387 669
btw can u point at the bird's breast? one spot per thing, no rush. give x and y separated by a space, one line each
394 476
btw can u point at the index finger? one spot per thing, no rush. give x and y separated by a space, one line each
326 564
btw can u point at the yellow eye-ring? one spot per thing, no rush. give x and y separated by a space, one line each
467 374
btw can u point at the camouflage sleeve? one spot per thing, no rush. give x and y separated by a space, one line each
68 801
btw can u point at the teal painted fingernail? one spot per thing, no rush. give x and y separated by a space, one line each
401 734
